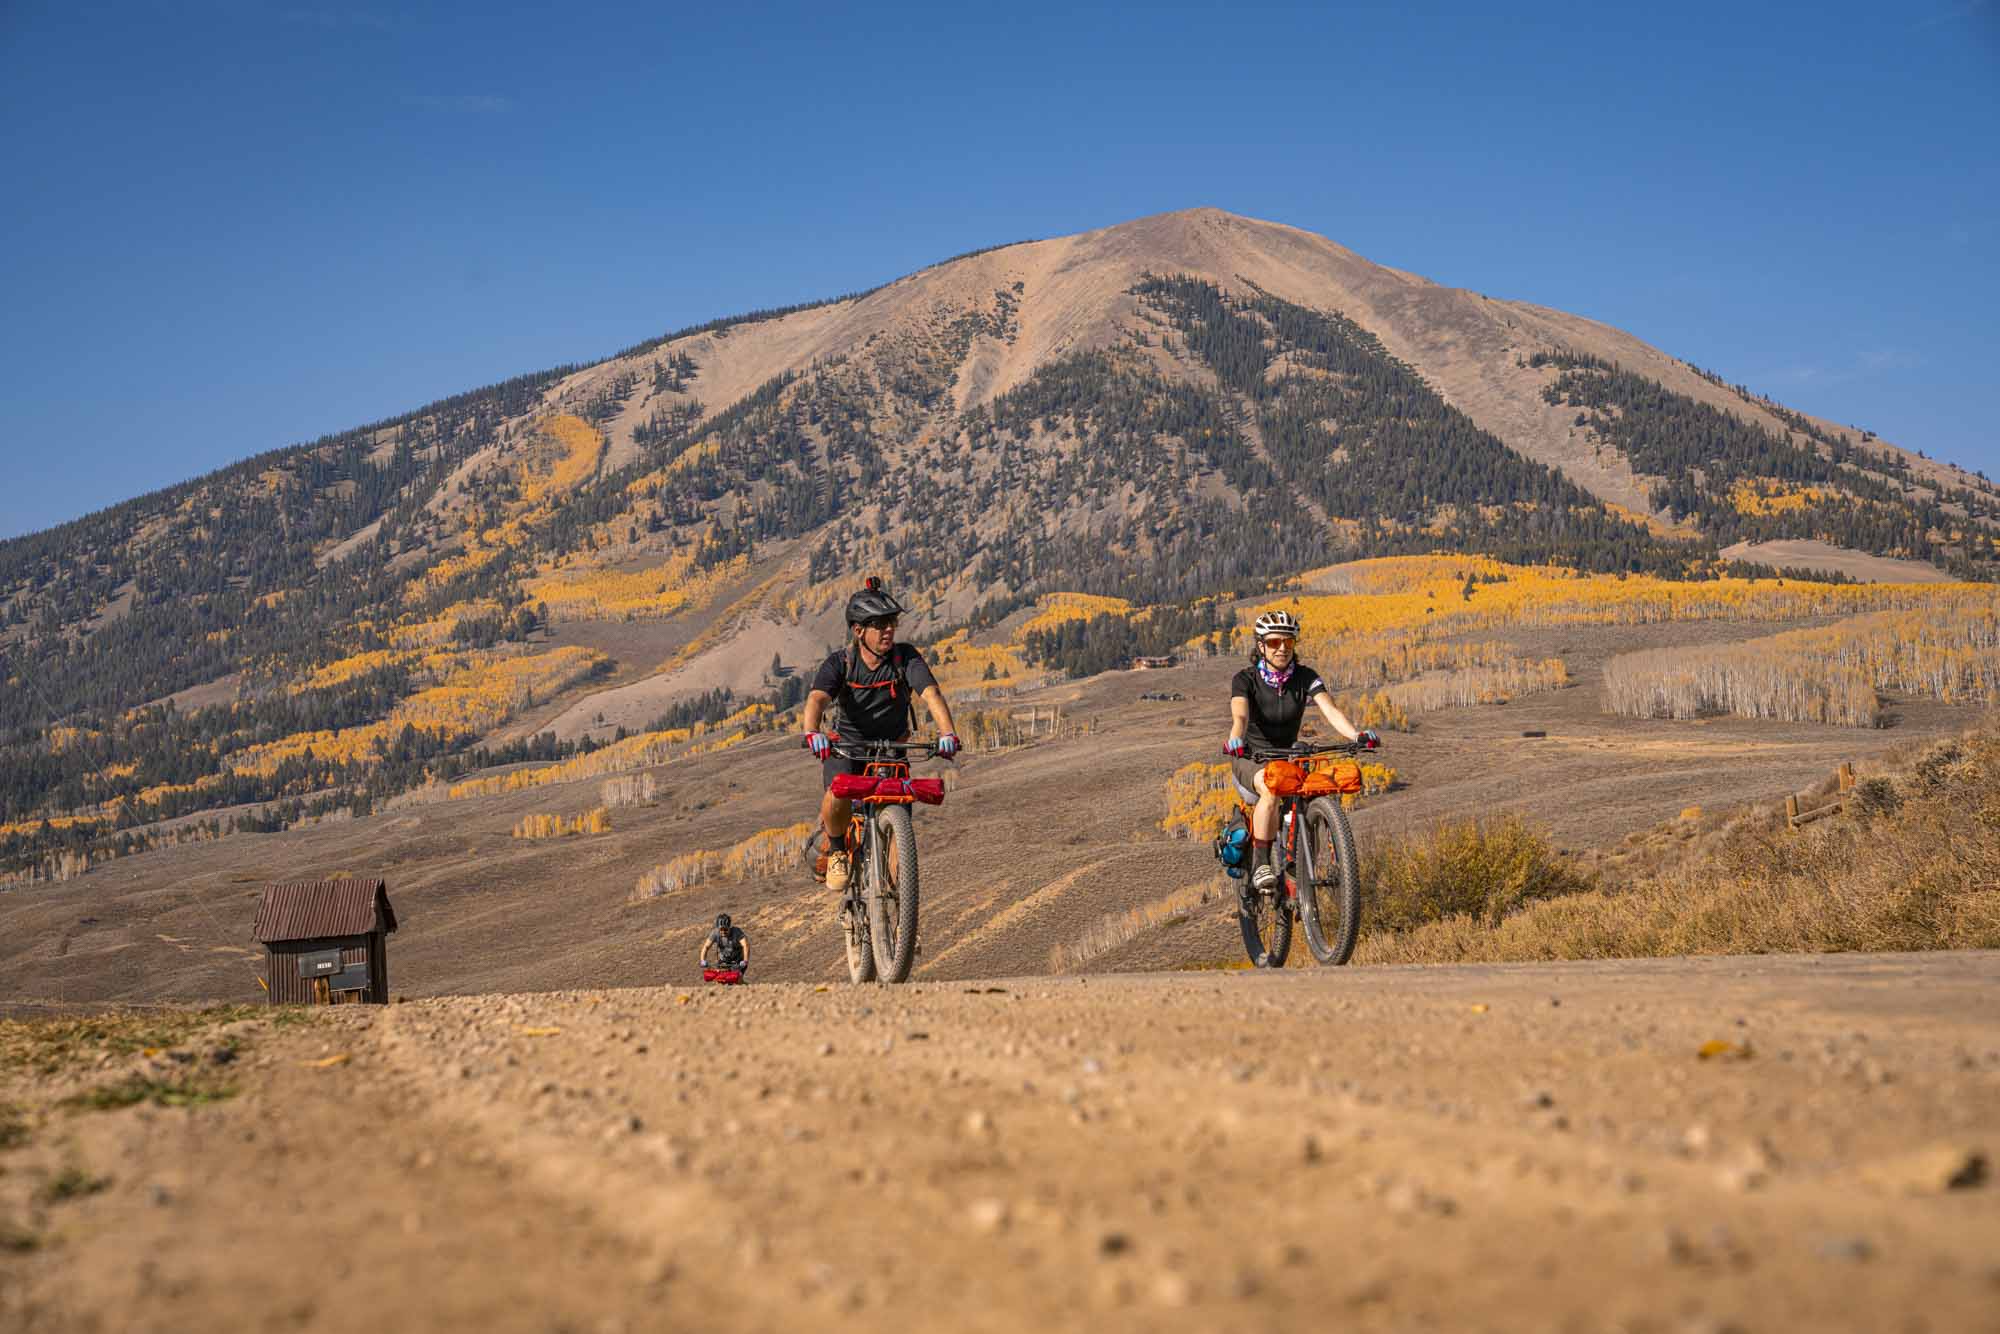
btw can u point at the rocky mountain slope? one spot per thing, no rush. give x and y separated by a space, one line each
1160 411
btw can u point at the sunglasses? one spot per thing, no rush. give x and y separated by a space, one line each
888 624
1278 641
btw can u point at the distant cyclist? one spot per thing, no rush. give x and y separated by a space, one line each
731 946
872 682
1267 702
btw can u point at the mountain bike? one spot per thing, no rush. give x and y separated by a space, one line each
1320 882
878 910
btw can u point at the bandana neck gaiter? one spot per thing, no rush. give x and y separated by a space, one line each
1271 676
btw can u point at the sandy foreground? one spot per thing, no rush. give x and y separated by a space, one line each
1521 1147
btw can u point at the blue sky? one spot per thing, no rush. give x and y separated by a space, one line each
228 226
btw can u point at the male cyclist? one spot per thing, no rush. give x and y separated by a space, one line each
731 946
1267 702
873 682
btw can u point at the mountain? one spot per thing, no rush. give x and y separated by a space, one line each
1159 411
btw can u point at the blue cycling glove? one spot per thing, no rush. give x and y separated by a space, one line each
819 744
948 745
1233 747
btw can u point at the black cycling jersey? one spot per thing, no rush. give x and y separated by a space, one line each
874 703
728 946
1275 715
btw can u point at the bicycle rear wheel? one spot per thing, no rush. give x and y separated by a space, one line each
892 893
1329 882
852 916
1267 926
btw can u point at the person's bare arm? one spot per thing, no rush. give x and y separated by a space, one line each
1333 715
816 703
1239 718
933 699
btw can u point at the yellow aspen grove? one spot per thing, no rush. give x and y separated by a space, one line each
768 852
594 821
1824 675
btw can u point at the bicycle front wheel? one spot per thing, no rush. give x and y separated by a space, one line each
892 893
1329 882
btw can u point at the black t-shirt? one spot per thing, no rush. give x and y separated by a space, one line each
874 704
1275 715
728 946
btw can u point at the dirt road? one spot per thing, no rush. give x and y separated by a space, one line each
1536 1147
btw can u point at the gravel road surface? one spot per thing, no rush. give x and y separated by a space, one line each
1526 1147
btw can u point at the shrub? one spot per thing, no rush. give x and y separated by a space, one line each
1917 868
1481 870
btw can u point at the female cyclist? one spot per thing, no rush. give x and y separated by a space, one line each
1267 702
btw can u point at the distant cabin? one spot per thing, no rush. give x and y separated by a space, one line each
1153 664
326 942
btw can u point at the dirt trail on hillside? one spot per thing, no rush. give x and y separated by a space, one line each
1464 1148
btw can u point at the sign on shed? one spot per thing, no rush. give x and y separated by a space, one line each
326 941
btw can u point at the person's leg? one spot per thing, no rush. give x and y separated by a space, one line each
1263 831
834 814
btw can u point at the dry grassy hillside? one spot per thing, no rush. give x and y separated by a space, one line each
1035 846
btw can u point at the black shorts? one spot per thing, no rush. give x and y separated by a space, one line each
1246 770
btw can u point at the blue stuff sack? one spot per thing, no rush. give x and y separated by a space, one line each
1232 845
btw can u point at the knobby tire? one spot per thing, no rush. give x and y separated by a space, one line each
892 902
854 926
1267 925
1329 882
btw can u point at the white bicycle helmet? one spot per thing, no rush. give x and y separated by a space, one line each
1277 623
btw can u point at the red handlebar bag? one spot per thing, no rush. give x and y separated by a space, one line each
929 791
848 787
727 976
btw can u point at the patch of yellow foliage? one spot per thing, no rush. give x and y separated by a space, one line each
1829 674
1199 800
959 664
346 669
442 628
596 820
1768 495
1413 601
634 752
1055 609
581 446
767 852
580 591
478 697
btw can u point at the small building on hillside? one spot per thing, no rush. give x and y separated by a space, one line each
326 942
1153 664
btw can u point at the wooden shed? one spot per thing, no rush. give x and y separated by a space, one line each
326 942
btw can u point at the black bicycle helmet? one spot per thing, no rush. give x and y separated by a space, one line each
722 921
872 603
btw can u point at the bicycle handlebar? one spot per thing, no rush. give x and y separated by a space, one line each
1312 751
882 750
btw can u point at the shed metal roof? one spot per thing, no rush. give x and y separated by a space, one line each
313 909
